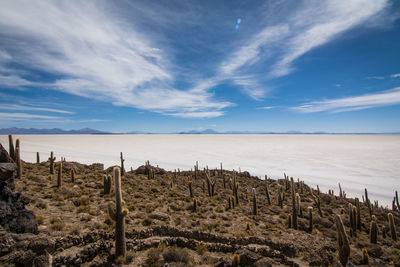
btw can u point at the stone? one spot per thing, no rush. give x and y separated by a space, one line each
247 257
4 156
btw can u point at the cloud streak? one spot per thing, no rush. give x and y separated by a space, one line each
31 108
384 98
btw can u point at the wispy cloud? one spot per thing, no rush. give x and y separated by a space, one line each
273 51
267 107
375 78
111 61
24 116
396 75
384 98
31 108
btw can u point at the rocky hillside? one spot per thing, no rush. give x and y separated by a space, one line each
184 218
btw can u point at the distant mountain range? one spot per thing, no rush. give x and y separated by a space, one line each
207 131
49 131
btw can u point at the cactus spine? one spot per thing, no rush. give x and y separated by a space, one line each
267 191
392 226
254 202
52 159
294 206
373 231
122 164
18 159
343 242
118 215
59 177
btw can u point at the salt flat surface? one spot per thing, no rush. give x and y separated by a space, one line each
356 161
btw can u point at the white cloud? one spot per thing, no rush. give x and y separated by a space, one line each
31 108
23 116
396 75
384 98
376 77
267 107
96 55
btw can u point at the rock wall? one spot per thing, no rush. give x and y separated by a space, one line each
13 215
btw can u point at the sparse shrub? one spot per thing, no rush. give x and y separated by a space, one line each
56 224
153 258
75 231
201 249
176 254
41 205
39 219
147 222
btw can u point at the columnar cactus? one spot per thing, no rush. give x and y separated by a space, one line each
352 220
52 159
37 158
59 177
190 189
18 159
340 191
11 149
383 231
236 260
310 219
290 221
235 188
118 215
267 191
280 198
194 205
343 241
298 204
373 231
294 206
106 184
223 177
358 214
254 202
397 201
365 257
73 175
210 183
122 164
392 226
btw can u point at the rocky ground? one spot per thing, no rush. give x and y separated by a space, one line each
74 228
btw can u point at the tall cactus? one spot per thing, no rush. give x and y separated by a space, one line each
122 164
60 174
73 175
373 231
118 215
254 202
280 198
18 159
358 214
294 206
392 226
343 241
52 159
106 184
37 158
11 149
267 190
310 219
397 201
190 189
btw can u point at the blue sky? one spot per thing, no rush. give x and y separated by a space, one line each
167 66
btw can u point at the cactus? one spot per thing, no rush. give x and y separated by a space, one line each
267 191
290 221
392 226
223 177
229 203
118 215
365 257
122 164
340 191
236 260
358 214
343 242
233 202
373 232
18 160
310 219
190 189
106 184
294 206
383 231
11 149
280 198
59 177
397 201
37 158
369 205
298 205
210 183
52 159
194 205
353 225
254 202
72 175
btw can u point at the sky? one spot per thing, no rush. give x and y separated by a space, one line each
170 66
